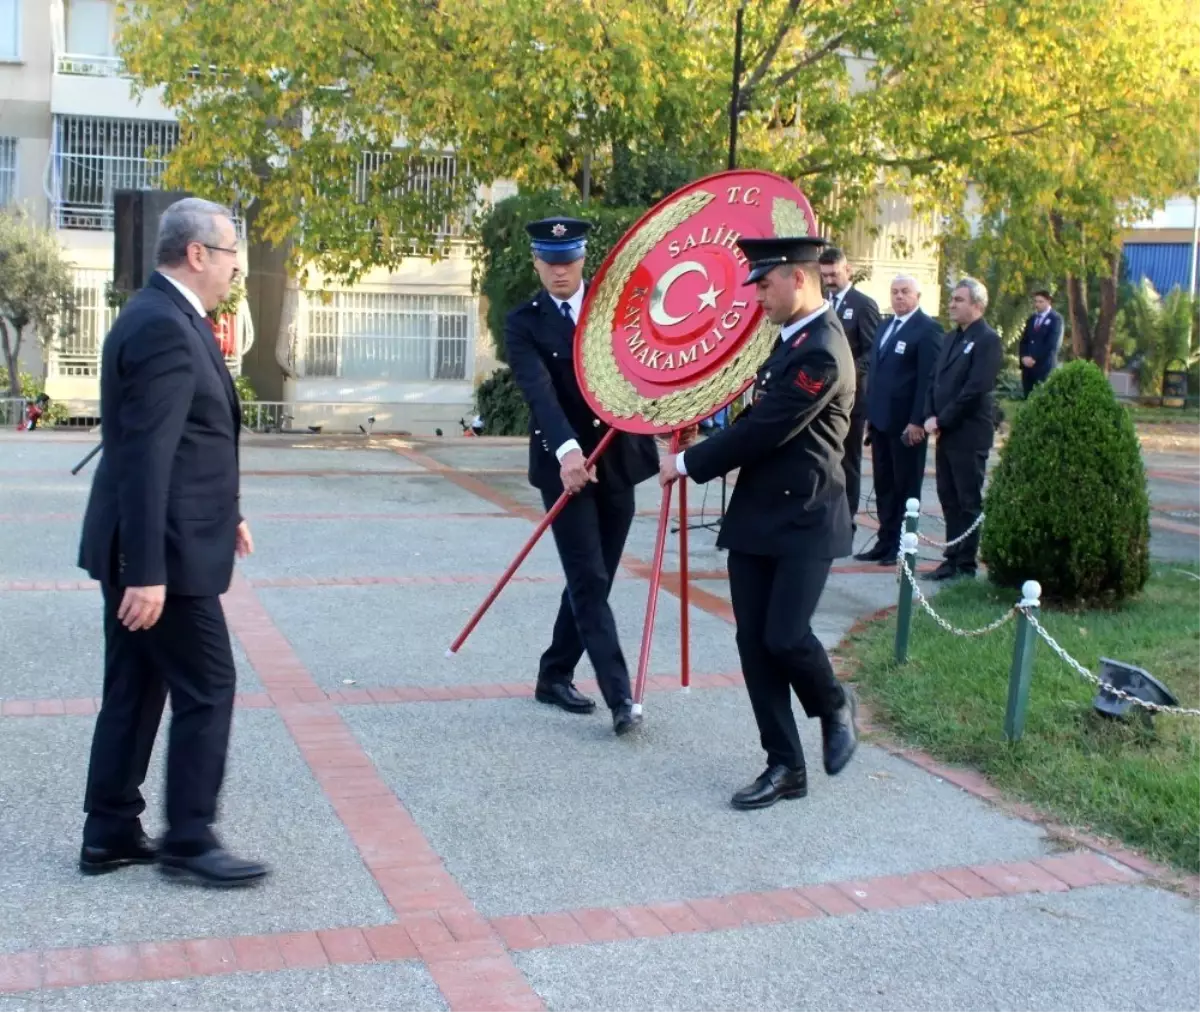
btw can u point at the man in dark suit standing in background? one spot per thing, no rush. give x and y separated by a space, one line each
960 410
906 347
859 317
160 534
1040 341
788 517
591 529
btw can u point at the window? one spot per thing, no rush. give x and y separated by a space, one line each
423 174
388 336
8 170
78 354
92 157
10 29
91 27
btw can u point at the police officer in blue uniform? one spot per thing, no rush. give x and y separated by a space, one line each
788 517
591 529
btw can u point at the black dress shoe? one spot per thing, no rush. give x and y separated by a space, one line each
890 559
777 783
216 868
840 735
946 571
872 555
625 719
136 849
564 695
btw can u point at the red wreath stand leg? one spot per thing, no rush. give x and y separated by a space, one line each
664 517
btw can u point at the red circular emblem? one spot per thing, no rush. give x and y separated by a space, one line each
669 333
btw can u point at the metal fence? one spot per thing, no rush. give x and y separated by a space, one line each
78 354
84 65
387 336
423 175
93 157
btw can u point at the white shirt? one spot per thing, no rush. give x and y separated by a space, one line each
576 304
188 294
786 333
895 325
840 297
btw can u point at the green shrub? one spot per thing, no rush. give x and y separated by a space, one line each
504 263
501 405
1067 505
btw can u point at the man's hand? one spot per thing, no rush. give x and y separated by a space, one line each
931 425
1027 361
575 473
244 545
667 471
141 607
912 435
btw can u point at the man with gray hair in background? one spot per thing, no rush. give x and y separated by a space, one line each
960 411
160 534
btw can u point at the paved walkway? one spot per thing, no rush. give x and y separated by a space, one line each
440 841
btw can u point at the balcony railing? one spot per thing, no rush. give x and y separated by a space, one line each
83 65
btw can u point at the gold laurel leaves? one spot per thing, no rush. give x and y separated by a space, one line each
787 218
603 375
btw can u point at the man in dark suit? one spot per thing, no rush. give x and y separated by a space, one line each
591 529
1040 341
960 410
160 533
788 518
906 349
859 316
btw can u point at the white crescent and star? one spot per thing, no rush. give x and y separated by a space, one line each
658 297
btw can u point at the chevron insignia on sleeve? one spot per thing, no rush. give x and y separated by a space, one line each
811 385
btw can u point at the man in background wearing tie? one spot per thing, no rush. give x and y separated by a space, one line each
859 316
590 531
905 352
1039 342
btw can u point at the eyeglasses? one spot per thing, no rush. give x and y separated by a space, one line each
223 249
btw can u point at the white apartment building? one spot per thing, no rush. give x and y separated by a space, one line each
404 347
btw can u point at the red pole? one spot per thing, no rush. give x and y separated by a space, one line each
533 539
685 675
660 543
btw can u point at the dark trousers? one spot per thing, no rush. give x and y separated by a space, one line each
1031 379
852 461
590 534
899 473
186 653
773 604
961 468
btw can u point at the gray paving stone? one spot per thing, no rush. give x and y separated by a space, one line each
334 988
354 494
55 646
1105 948
395 548
46 551
302 458
381 635
272 808
538 810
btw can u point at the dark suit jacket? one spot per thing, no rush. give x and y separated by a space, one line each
1041 344
540 344
163 507
901 372
961 394
790 496
860 328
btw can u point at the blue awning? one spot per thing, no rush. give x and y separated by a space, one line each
1167 264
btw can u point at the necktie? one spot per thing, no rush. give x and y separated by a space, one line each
891 333
566 311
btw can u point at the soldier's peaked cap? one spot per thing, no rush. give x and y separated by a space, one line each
768 253
559 240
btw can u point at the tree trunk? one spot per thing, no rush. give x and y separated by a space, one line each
1102 335
1077 309
12 354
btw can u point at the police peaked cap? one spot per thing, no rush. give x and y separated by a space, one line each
766 254
559 240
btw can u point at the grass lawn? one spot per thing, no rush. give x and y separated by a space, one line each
1140 786
1143 414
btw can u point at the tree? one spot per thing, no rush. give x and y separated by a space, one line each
1061 119
1156 331
37 289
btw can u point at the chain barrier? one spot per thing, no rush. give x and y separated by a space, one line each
950 544
1080 670
924 603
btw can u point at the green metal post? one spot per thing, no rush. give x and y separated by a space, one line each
908 546
1021 673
